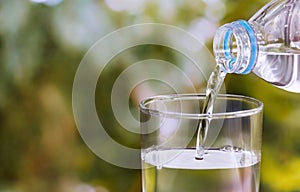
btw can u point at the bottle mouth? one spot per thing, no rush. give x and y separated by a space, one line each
235 47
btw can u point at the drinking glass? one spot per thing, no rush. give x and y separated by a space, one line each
232 155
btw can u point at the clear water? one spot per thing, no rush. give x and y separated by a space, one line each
275 65
279 68
176 170
213 87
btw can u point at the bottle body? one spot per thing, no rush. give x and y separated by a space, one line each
279 69
268 45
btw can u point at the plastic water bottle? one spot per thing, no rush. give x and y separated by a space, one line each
268 45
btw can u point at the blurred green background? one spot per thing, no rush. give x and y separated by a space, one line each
42 43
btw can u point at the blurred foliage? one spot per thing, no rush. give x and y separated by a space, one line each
41 47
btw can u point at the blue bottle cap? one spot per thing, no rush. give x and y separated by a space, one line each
253 46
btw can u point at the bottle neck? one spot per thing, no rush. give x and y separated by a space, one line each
235 47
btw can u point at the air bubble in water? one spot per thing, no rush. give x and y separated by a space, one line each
229 148
159 166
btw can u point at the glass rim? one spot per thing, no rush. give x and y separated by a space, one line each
219 115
